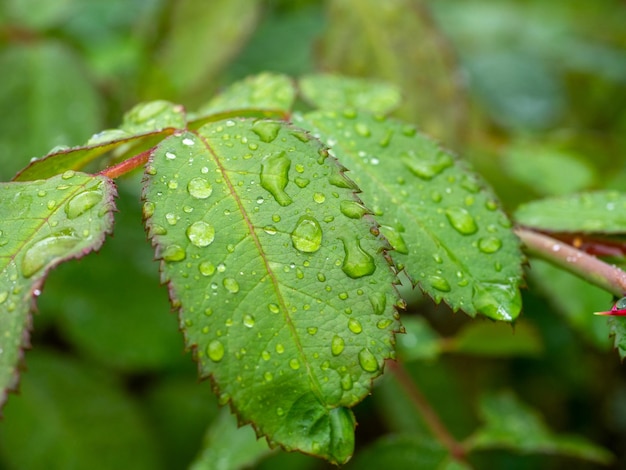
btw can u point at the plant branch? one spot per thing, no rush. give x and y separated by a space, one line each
585 266
429 415
127 166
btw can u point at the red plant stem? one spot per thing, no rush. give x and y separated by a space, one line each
127 166
429 415
585 266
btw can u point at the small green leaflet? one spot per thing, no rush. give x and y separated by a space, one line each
445 226
599 211
287 301
43 223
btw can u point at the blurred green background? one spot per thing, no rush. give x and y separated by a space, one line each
532 93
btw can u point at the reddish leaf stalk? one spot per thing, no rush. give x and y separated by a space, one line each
127 166
585 266
429 415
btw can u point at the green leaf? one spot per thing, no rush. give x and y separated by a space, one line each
287 302
153 116
265 91
405 451
445 226
511 424
496 339
326 91
44 223
599 211
617 327
69 415
51 102
396 41
230 447
575 299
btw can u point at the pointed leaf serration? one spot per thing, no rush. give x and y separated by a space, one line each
444 224
43 223
287 301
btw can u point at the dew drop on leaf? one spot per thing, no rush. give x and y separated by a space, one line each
354 326
82 202
395 239
266 130
148 209
294 364
357 263
307 235
173 253
215 350
248 320
206 268
280 349
199 188
346 382
352 209
200 233
461 220
439 283
367 360
47 250
379 302
426 168
275 176
231 285
337 345
489 244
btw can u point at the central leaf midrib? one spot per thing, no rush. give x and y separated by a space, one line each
270 272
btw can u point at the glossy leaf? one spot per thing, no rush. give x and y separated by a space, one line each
600 211
69 415
232 446
44 223
513 425
326 91
265 91
287 301
445 226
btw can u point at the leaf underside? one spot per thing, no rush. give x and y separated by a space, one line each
444 225
43 223
287 302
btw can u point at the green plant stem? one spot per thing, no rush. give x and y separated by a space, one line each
585 266
127 166
429 415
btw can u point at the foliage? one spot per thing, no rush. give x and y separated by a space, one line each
310 237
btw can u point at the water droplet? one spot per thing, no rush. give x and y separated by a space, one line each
461 220
439 283
310 330
158 229
51 204
280 348
346 382
354 326
268 376
426 166
248 320
82 202
489 244
173 253
231 285
206 268
148 209
362 129
337 345
280 411
199 188
367 360
383 324
357 262
321 277
275 176
266 355
68 174
273 308
188 142
173 184
301 182
47 250
353 209
491 205
395 239
437 257
200 234
266 130
307 235
294 364
379 302
170 156
3 297
319 198
172 218
215 350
